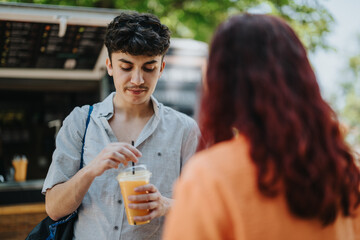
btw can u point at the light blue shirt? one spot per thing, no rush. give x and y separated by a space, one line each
167 141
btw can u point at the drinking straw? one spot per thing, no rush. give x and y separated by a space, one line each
133 171
133 164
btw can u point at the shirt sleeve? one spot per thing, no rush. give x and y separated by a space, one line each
190 141
66 157
197 212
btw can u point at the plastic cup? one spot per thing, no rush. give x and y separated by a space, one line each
20 166
129 179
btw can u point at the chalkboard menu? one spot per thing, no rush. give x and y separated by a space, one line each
37 45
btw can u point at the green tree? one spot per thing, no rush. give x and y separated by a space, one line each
350 86
198 19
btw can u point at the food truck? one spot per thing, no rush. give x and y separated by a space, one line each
52 58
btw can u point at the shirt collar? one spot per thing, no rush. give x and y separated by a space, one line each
106 107
156 106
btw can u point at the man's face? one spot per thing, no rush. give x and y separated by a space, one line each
135 77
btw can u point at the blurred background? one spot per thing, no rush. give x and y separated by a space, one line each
53 59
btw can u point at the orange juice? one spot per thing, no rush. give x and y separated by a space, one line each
128 181
127 189
20 166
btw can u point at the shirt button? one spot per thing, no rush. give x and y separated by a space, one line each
119 201
116 228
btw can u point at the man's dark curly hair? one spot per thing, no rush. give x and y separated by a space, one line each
137 34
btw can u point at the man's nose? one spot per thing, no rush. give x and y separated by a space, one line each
137 78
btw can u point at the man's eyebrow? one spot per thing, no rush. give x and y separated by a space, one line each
125 61
150 62
128 62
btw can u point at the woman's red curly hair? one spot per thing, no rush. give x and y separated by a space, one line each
259 81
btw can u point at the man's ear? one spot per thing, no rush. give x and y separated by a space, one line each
162 67
109 67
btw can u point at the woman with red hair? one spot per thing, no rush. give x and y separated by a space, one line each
273 163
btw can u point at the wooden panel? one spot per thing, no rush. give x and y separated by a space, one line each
23 209
17 221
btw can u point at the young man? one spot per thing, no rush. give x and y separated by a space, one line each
164 139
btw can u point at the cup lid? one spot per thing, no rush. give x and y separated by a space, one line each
135 168
134 172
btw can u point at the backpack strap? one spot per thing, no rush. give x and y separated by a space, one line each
83 141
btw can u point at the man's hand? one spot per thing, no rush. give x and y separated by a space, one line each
152 200
113 155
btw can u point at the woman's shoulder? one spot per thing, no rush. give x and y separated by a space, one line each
228 157
237 147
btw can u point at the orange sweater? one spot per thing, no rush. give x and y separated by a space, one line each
217 198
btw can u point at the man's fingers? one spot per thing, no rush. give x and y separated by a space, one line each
117 146
143 206
144 197
146 188
153 214
113 164
134 150
121 155
128 154
115 156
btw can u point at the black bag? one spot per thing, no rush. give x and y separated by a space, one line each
62 229
49 229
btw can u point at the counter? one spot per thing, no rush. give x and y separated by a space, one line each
22 207
16 221
21 192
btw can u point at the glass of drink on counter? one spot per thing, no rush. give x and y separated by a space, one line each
20 166
129 179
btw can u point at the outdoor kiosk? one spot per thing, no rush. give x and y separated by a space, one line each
52 58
